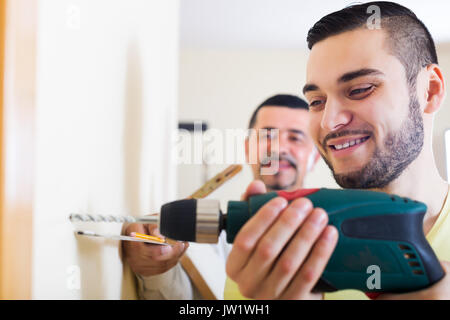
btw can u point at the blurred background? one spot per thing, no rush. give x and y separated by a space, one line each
92 94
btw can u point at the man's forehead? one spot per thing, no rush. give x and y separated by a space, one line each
282 117
352 50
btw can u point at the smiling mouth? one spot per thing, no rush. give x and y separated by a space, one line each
348 144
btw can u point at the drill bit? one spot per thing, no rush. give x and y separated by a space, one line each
76 217
205 190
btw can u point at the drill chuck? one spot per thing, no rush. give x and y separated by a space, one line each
195 220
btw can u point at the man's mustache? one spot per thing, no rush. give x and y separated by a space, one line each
276 157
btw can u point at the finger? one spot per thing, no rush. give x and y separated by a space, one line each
254 188
153 230
135 227
251 232
179 248
186 246
296 252
148 229
175 252
130 248
276 239
446 266
310 272
156 251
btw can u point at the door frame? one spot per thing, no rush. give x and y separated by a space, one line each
18 34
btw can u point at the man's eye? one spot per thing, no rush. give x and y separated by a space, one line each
360 90
295 138
315 103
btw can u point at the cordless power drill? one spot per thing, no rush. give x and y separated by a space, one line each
375 229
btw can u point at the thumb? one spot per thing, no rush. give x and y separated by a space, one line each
254 188
446 266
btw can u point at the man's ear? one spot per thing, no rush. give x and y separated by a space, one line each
435 94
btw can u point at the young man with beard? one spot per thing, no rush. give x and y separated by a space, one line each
281 118
372 94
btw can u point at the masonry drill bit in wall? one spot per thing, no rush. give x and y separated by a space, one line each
76 217
204 191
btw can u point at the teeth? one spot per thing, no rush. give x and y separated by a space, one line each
349 144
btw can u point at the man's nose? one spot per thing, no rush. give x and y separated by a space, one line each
335 116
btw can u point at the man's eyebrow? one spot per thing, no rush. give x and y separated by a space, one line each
310 87
297 131
359 73
347 77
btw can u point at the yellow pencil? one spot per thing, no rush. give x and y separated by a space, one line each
147 237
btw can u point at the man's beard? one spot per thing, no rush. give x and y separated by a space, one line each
400 149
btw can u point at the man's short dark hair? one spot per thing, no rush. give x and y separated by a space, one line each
408 38
280 100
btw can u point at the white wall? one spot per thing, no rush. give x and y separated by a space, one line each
106 112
